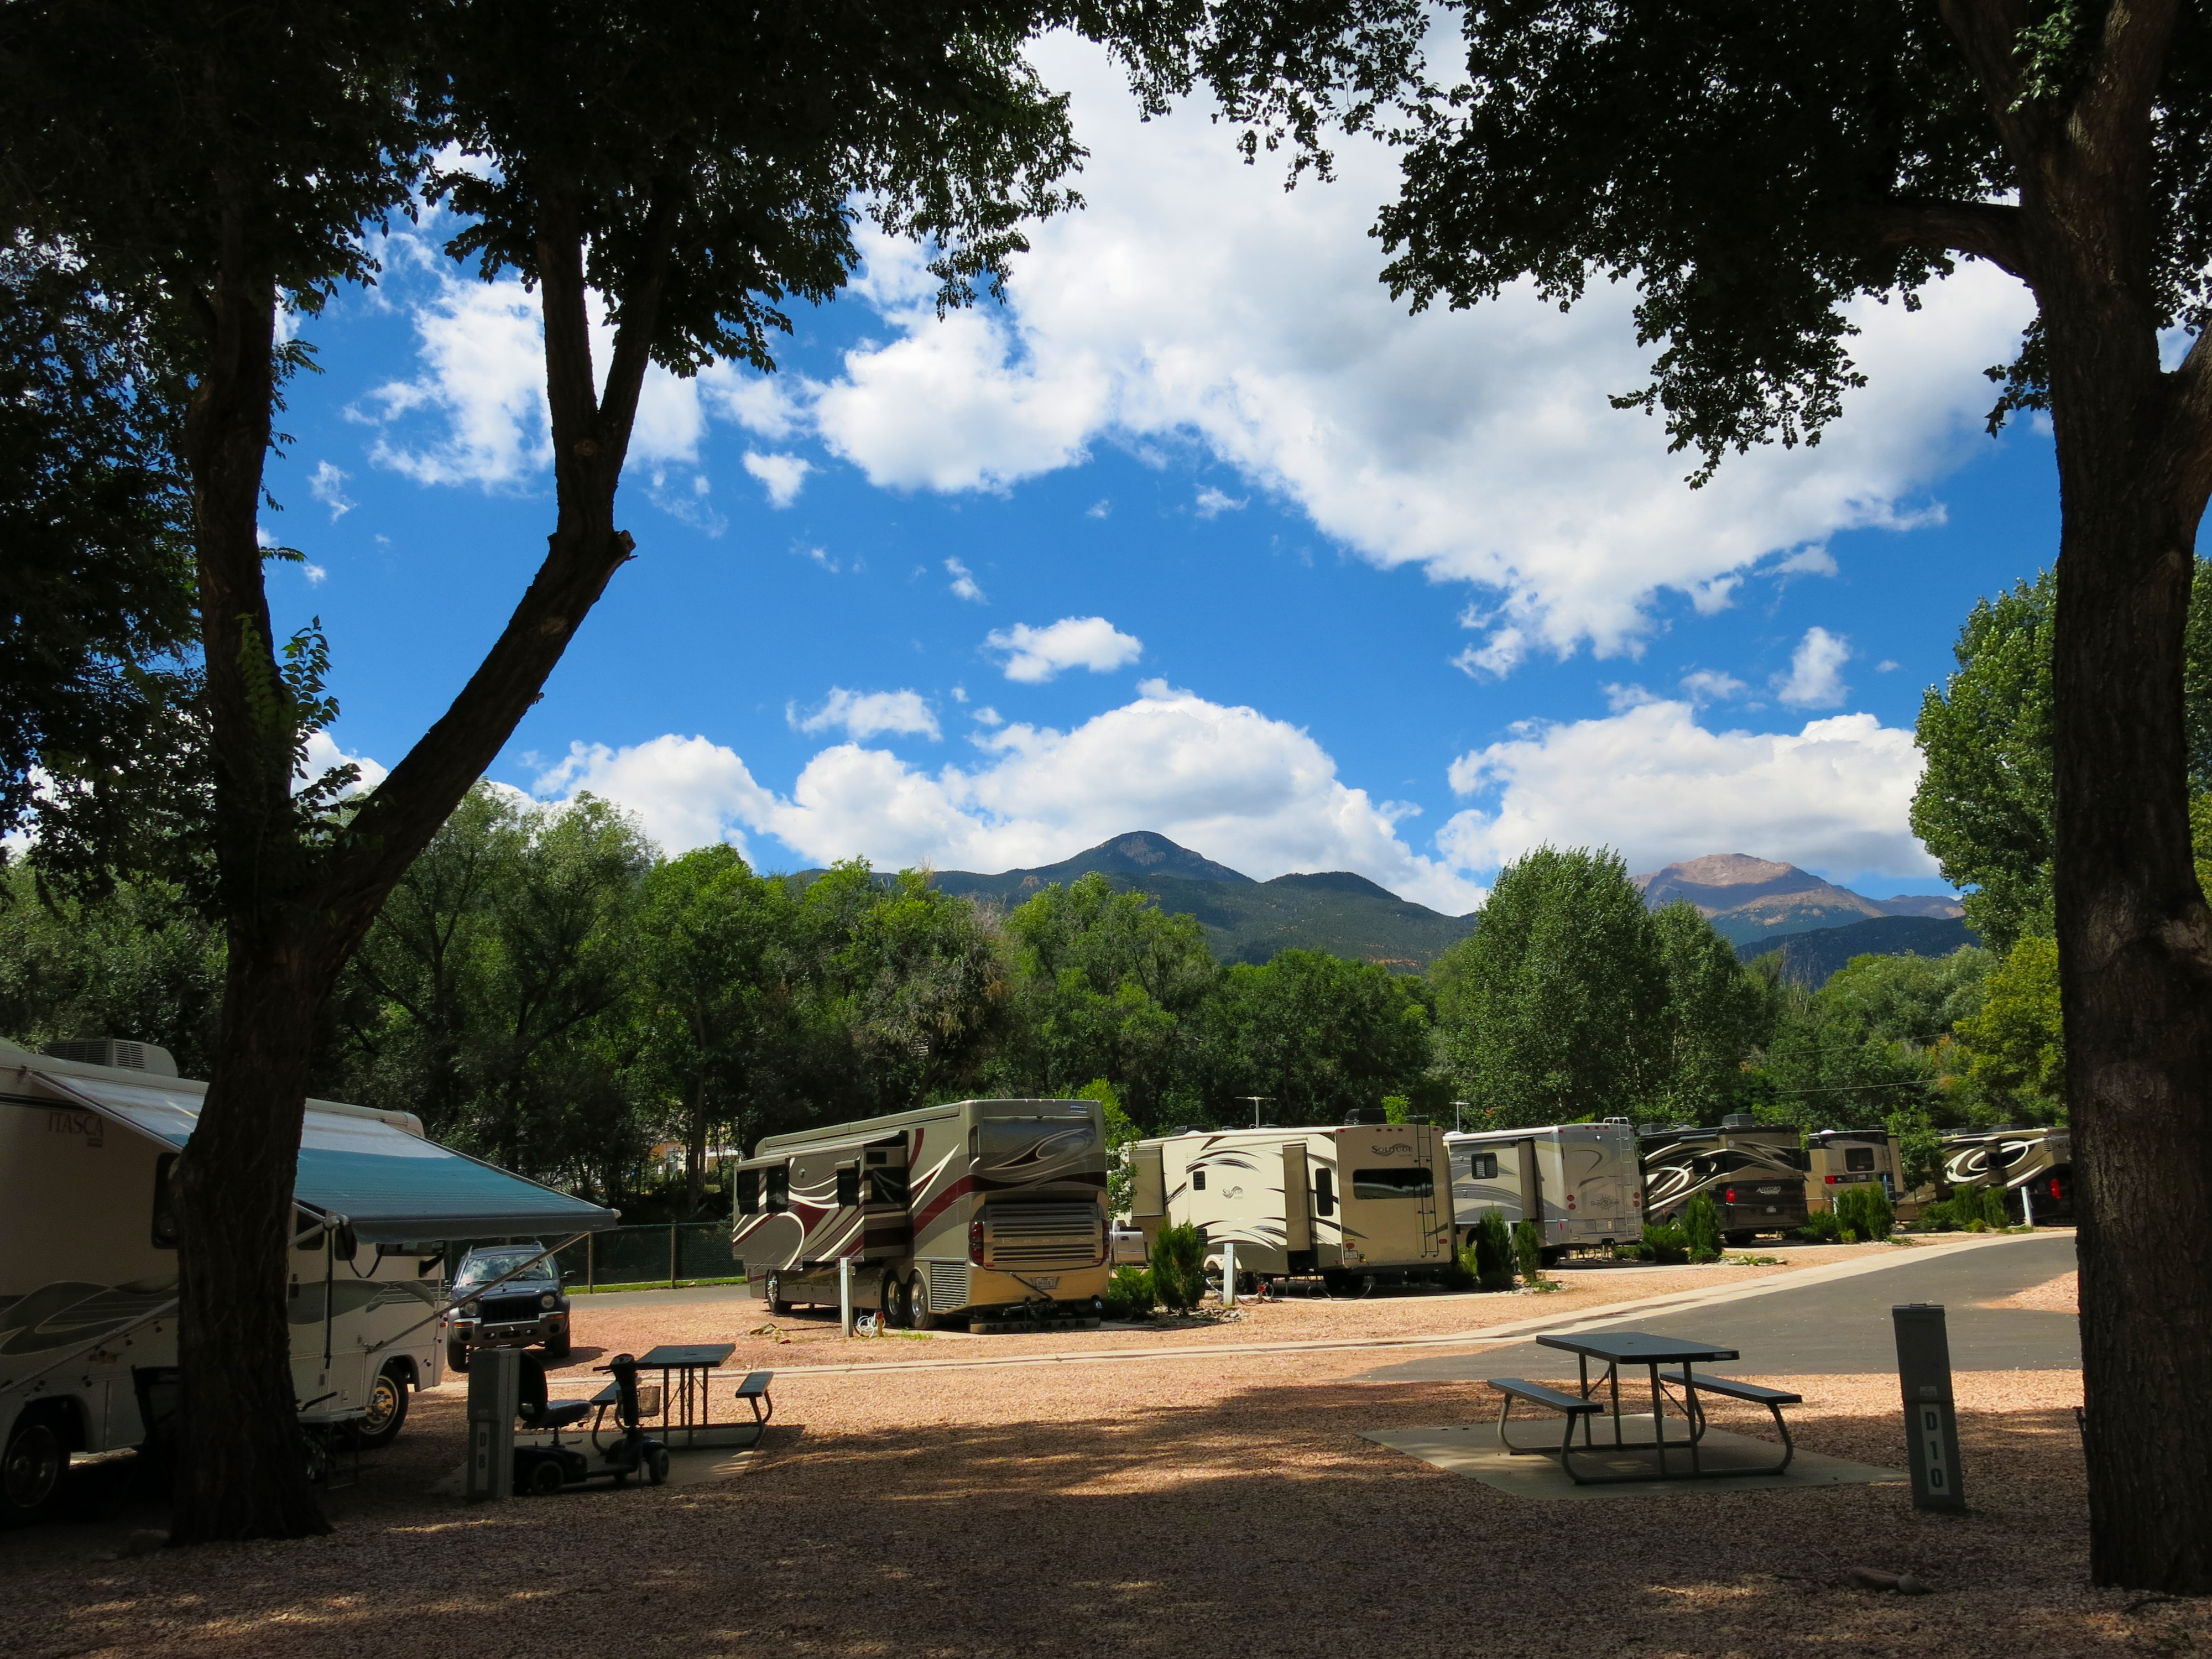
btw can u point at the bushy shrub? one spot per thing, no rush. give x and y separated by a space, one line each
1821 1227
1701 1220
1864 1210
1129 1294
1179 1268
1973 1209
1666 1242
1492 1252
1528 1251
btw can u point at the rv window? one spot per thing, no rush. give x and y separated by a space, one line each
1391 1183
1858 1157
1198 1181
887 1186
1482 1166
849 1186
779 1190
748 1192
165 1204
1324 1191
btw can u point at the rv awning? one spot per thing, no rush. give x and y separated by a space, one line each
391 1185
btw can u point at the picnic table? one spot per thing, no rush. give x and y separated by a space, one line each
1652 1350
686 1407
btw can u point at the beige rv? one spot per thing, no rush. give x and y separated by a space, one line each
1359 1204
1837 1159
988 1210
2033 1167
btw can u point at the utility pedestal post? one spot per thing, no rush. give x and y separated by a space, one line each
845 1294
1931 1427
494 1389
1229 1273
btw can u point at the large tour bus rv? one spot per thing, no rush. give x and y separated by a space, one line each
992 1210
2034 1168
1358 1204
89 1138
1837 1159
1756 1175
1580 1182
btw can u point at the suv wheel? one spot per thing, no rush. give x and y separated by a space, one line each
457 1354
557 1345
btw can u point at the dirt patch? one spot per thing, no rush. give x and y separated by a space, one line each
2059 1295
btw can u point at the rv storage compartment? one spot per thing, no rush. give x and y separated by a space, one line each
1041 1236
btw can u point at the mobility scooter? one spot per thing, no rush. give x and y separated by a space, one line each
543 1470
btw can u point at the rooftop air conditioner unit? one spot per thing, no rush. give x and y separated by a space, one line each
119 1052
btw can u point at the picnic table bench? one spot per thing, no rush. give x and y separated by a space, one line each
1615 1349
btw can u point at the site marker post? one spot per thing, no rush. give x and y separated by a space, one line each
2027 1204
845 1295
1229 1273
495 1392
1931 1427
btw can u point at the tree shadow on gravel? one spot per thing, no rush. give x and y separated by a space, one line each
1256 1524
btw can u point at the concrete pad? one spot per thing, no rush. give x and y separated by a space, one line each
1474 1450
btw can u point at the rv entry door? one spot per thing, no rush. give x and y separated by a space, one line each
1297 1206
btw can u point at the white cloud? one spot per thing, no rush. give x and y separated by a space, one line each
1815 679
324 754
686 791
1098 509
1212 503
1807 562
1037 654
483 375
1193 298
1256 793
963 583
326 484
987 716
865 716
1618 697
315 573
1653 783
758 403
1705 685
783 475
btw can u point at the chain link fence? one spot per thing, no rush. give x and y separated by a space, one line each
669 1254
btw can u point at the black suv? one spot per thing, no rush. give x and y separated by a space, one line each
529 1309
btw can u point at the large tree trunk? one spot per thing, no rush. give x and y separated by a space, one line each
2135 935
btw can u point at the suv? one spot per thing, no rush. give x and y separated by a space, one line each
529 1308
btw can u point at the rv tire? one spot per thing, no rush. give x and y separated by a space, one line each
776 1304
31 1474
387 1408
917 1301
897 1315
1737 1240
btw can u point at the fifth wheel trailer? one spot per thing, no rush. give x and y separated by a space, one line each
88 1290
955 1212
1354 1203
1580 1182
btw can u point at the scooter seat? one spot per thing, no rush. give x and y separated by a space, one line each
560 1413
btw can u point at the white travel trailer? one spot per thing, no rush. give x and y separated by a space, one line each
1355 1203
88 1258
1582 1182
988 1210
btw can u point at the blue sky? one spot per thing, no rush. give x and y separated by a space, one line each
1196 533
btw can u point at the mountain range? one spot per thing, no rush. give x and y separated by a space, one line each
1244 920
1752 902
1807 959
1748 900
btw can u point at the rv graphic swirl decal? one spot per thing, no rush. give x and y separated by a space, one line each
1014 1151
56 1315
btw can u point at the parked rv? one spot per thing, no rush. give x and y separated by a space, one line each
88 1296
1756 1175
1580 1182
2033 1167
1836 1159
966 1210
1358 1204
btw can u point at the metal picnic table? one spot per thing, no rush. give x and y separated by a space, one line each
686 1407
1652 1350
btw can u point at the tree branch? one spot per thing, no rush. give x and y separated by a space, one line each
1987 230
1988 33
2116 100
640 320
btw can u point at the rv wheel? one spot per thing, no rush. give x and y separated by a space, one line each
32 1473
776 1304
897 1317
917 1302
387 1408
1737 1241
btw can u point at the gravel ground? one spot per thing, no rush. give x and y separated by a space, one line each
1151 1508
810 1337
2059 1295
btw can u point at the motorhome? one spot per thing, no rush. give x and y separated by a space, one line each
1580 1182
1359 1204
2034 1168
88 1288
992 1211
1839 1159
1755 1175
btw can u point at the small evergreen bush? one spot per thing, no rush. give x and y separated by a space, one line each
1701 1220
1528 1251
1179 1268
1666 1243
1865 1211
1821 1227
1493 1253
1129 1294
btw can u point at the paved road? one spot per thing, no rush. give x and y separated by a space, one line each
1840 1328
